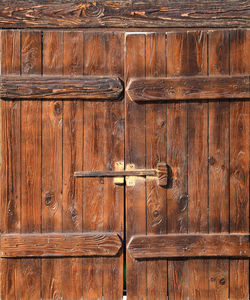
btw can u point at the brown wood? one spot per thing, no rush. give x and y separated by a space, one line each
239 162
189 245
135 151
129 13
200 215
72 192
156 130
218 158
45 87
177 193
113 211
55 244
104 145
31 141
197 135
52 154
10 172
189 88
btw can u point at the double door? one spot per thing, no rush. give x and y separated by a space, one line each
125 164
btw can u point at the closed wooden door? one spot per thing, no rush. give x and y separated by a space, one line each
124 131
183 236
47 214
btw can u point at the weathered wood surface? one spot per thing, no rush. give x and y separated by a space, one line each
59 244
129 13
156 131
103 140
218 162
178 64
239 162
52 136
10 151
190 245
189 88
135 153
47 87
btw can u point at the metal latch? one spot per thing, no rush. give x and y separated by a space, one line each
130 173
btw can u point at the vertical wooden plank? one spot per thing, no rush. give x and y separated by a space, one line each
52 164
94 158
156 145
10 161
113 152
135 154
239 160
177 198
219 116
197 128
30 269
72 161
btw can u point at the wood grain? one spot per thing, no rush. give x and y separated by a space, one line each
197 135
46 87
135 153
10 156
52 137
177 197
113 202
55 244
189 245
72 160
239 162
156 146
189 88
129 13
30 269
219 144
94 141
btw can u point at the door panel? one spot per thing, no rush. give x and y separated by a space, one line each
205 144
42 144
197 139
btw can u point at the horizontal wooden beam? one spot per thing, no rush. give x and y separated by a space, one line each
45 87
124 13
189 245
188 88
60 244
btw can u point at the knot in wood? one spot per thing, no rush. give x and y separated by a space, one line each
93 10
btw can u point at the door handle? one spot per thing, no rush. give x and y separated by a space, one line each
161 173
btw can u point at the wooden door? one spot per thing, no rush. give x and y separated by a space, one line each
48 216
186 105
124 149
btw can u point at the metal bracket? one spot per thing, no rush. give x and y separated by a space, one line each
131 174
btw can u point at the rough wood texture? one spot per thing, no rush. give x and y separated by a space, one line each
72 127
189 88
205 143
189 245
31 196
52 137
129 13
104 145
71 244
10 172
177 193
45 87
156 143
218 168
135 153
239 162
197 135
